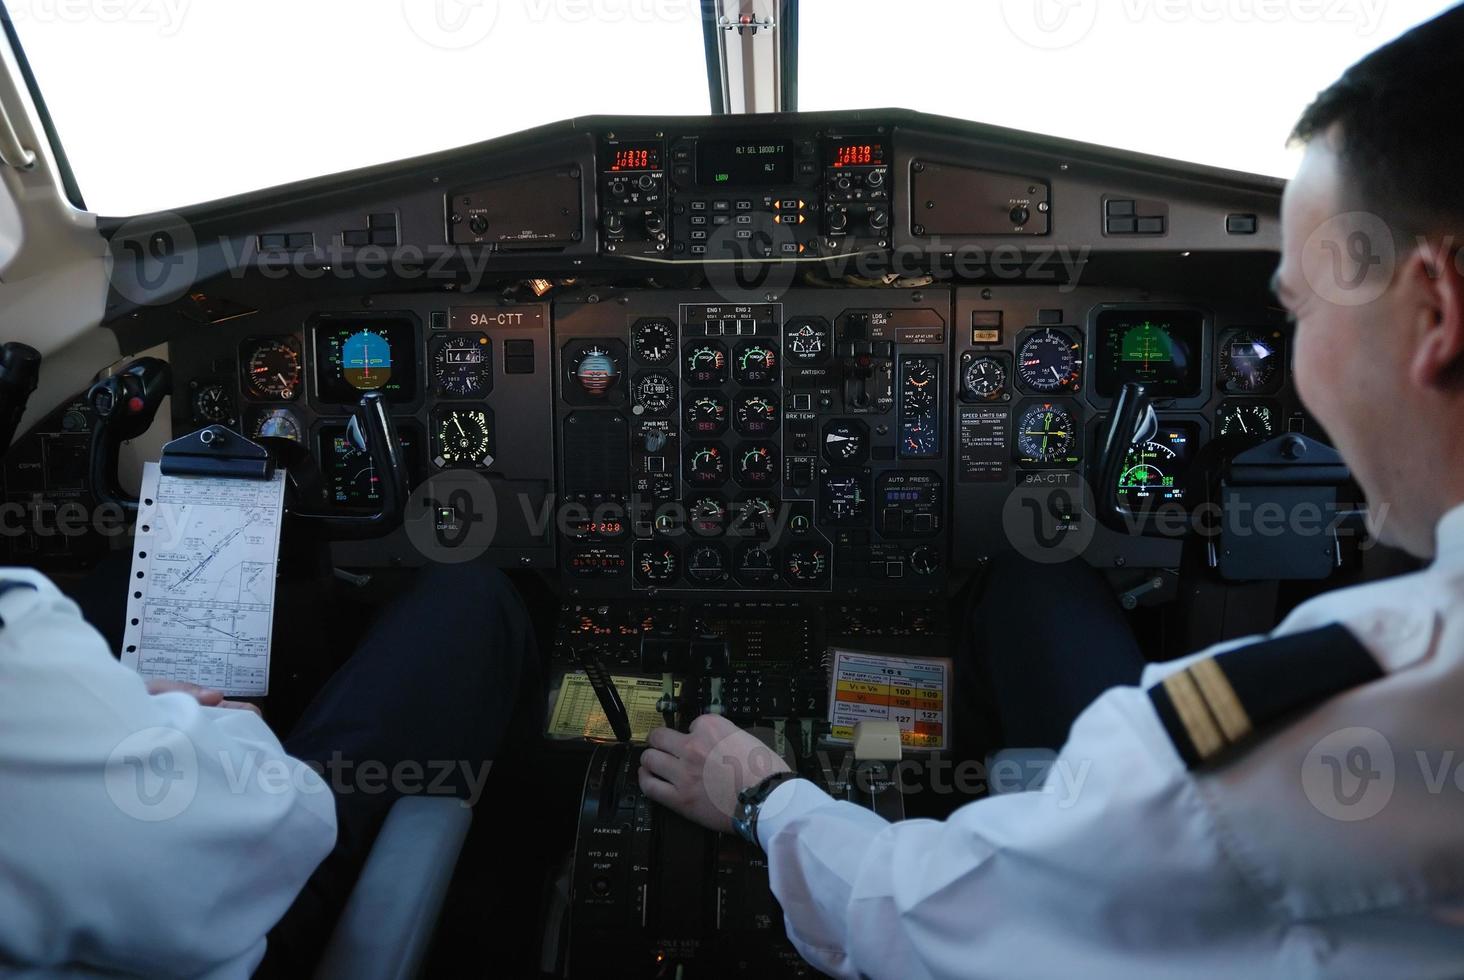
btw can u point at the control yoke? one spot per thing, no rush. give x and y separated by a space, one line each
20 372
125 405
373 424
1134 423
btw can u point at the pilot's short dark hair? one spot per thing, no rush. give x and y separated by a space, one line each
1397 132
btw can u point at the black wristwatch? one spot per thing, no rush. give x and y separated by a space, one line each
750 801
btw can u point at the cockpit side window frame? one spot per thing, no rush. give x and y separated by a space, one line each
786 20
58 153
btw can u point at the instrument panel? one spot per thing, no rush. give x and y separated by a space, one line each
760 365
791 446
449 372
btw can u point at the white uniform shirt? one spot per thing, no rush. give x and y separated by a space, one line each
1332 847
139 834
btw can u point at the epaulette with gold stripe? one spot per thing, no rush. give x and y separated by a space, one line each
1218 704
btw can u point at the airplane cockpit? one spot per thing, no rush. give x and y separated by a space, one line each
751 400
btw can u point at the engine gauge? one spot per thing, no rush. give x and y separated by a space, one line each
706 414
984 379
1047 434
846 442
1251 359
653 341
462 438
707 564
755 566
756 363
757 413
1250 419
1050 360
656 564
655 392
706 364
806 564
706 465
707 515
808 340
462 365
272 369
754 516
757 465
277 423
212 403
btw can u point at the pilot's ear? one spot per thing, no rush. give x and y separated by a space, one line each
1434 273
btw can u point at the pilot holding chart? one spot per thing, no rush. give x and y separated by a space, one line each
155 826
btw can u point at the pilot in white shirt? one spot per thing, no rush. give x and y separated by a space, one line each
139 833
1289 805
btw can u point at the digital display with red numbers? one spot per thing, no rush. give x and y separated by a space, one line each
635 156
857 155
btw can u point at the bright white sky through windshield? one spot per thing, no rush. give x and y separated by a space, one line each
164 103
1213 81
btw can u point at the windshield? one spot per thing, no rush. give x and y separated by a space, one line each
164 103
1219 82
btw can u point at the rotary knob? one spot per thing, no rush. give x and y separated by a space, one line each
925 560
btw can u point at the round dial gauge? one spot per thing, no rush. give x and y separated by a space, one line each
278 423
462 438
653 341
462 366
1250 360
212 404
808 340
757 465
657 564
805 564
755 565
846 442
1048 361
919 438
655 392
706 465
706 414
706 364
755 516
707 564
845 500
757 413
984 378
1250 419
272 370
1046 433
595 368
707 514
756 363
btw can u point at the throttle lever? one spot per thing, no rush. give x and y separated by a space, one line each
125 405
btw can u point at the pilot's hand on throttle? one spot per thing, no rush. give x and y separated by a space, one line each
205 696
698 774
